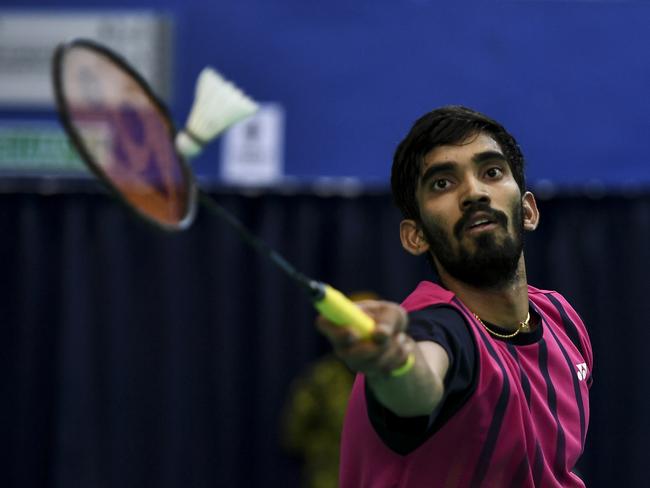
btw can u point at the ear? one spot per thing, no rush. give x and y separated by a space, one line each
412 238
530 211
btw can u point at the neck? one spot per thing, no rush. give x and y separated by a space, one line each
505 306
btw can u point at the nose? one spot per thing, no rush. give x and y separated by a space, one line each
475 192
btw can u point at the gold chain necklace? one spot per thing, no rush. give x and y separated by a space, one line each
522 325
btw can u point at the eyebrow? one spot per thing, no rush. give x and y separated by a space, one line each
446 166
484 156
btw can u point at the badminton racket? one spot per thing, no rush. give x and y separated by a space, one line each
126 137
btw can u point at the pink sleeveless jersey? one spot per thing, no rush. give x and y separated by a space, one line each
524 425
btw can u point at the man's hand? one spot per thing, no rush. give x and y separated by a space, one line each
385 350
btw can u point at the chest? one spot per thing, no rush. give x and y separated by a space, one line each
544 389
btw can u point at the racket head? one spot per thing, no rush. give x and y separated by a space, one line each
123 133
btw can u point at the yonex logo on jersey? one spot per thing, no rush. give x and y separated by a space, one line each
582 371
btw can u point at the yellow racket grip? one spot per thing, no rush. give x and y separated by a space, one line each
338 308
342 311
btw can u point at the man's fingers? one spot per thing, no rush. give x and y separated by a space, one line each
382 334
388 313
396 354
387 348
339 336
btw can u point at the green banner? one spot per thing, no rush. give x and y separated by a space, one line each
36 150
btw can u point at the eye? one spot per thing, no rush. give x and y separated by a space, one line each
440 184
494 172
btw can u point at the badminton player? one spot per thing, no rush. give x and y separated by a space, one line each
498 395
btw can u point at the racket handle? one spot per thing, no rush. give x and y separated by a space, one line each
337 308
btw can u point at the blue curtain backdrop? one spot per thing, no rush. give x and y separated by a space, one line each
133 358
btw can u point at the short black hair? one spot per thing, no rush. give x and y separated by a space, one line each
445 126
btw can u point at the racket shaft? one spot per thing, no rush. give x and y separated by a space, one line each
330 302
344 312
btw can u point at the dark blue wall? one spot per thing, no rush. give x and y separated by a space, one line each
569 78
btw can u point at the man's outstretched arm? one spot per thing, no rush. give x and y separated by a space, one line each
416 393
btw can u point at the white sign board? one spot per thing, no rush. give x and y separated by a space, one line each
27 41
252 150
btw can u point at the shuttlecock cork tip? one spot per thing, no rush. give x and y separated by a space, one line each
218 104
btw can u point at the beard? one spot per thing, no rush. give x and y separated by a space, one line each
492 264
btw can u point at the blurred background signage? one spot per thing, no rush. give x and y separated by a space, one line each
142 38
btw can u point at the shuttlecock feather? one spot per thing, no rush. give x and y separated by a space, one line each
218 104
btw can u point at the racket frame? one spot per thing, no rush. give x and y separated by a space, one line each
329 301
66 121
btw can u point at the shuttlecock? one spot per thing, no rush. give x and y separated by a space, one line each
218 104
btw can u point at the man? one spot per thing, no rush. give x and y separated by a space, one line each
495 388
